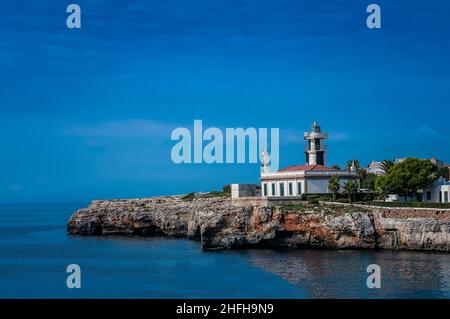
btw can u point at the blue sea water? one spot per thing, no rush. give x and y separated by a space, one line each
35 251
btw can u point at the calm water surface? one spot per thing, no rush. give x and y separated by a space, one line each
35 251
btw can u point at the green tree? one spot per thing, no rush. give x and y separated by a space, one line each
333 186
226 189
350 189
362 173
408 177
368 181
382 186
444 172
387 165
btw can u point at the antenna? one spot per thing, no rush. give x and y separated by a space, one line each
264 161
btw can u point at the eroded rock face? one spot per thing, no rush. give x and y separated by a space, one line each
414 233
220 225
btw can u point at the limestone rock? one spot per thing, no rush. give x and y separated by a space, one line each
218 224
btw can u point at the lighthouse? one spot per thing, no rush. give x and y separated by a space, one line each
312 178
315 148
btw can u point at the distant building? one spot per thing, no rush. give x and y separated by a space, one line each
400 160
311 178
437 162
243 190
448 168
375 168
439 192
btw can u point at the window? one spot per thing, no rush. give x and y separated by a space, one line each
428 195
440 197
310 145
290 189
445 197
281 189
265 189
307 158
299 188
320 159
317 144
273 189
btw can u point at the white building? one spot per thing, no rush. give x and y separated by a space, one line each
375 168
243 190
311 178
439 192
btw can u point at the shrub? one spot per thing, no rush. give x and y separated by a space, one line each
318 197
188 197
226 189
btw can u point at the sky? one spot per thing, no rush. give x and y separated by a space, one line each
87 113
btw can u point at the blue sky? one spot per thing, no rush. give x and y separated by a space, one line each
88 113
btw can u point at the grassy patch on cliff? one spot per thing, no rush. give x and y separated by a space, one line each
188 197
409 204
225 192
340 197
216 194
325 209
191 196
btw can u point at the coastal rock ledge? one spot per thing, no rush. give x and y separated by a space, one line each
218 224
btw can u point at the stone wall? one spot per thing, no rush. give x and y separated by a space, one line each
250 201
402 212
266 201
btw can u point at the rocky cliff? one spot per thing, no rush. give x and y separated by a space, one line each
218 224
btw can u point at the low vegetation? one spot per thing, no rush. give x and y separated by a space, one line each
339 197
188 197
225 192
322 208
407 178
215 194
414 204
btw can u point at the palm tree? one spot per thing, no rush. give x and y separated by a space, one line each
350 188
387 165
362 173
336 167
351 163
445 173
333 186
382 187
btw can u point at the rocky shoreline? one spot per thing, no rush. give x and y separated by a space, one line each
218 224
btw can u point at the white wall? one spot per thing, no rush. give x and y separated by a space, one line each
435 189
286 187
242 190
314 186
317 186
445 188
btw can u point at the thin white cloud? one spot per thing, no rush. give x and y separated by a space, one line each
122 129
337 136
429 133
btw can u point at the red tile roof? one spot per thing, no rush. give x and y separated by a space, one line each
306 168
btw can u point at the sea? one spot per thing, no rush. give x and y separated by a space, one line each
35 251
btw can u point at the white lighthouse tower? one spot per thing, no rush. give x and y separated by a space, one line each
293 181
315 149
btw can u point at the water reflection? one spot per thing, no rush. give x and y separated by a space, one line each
342 274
